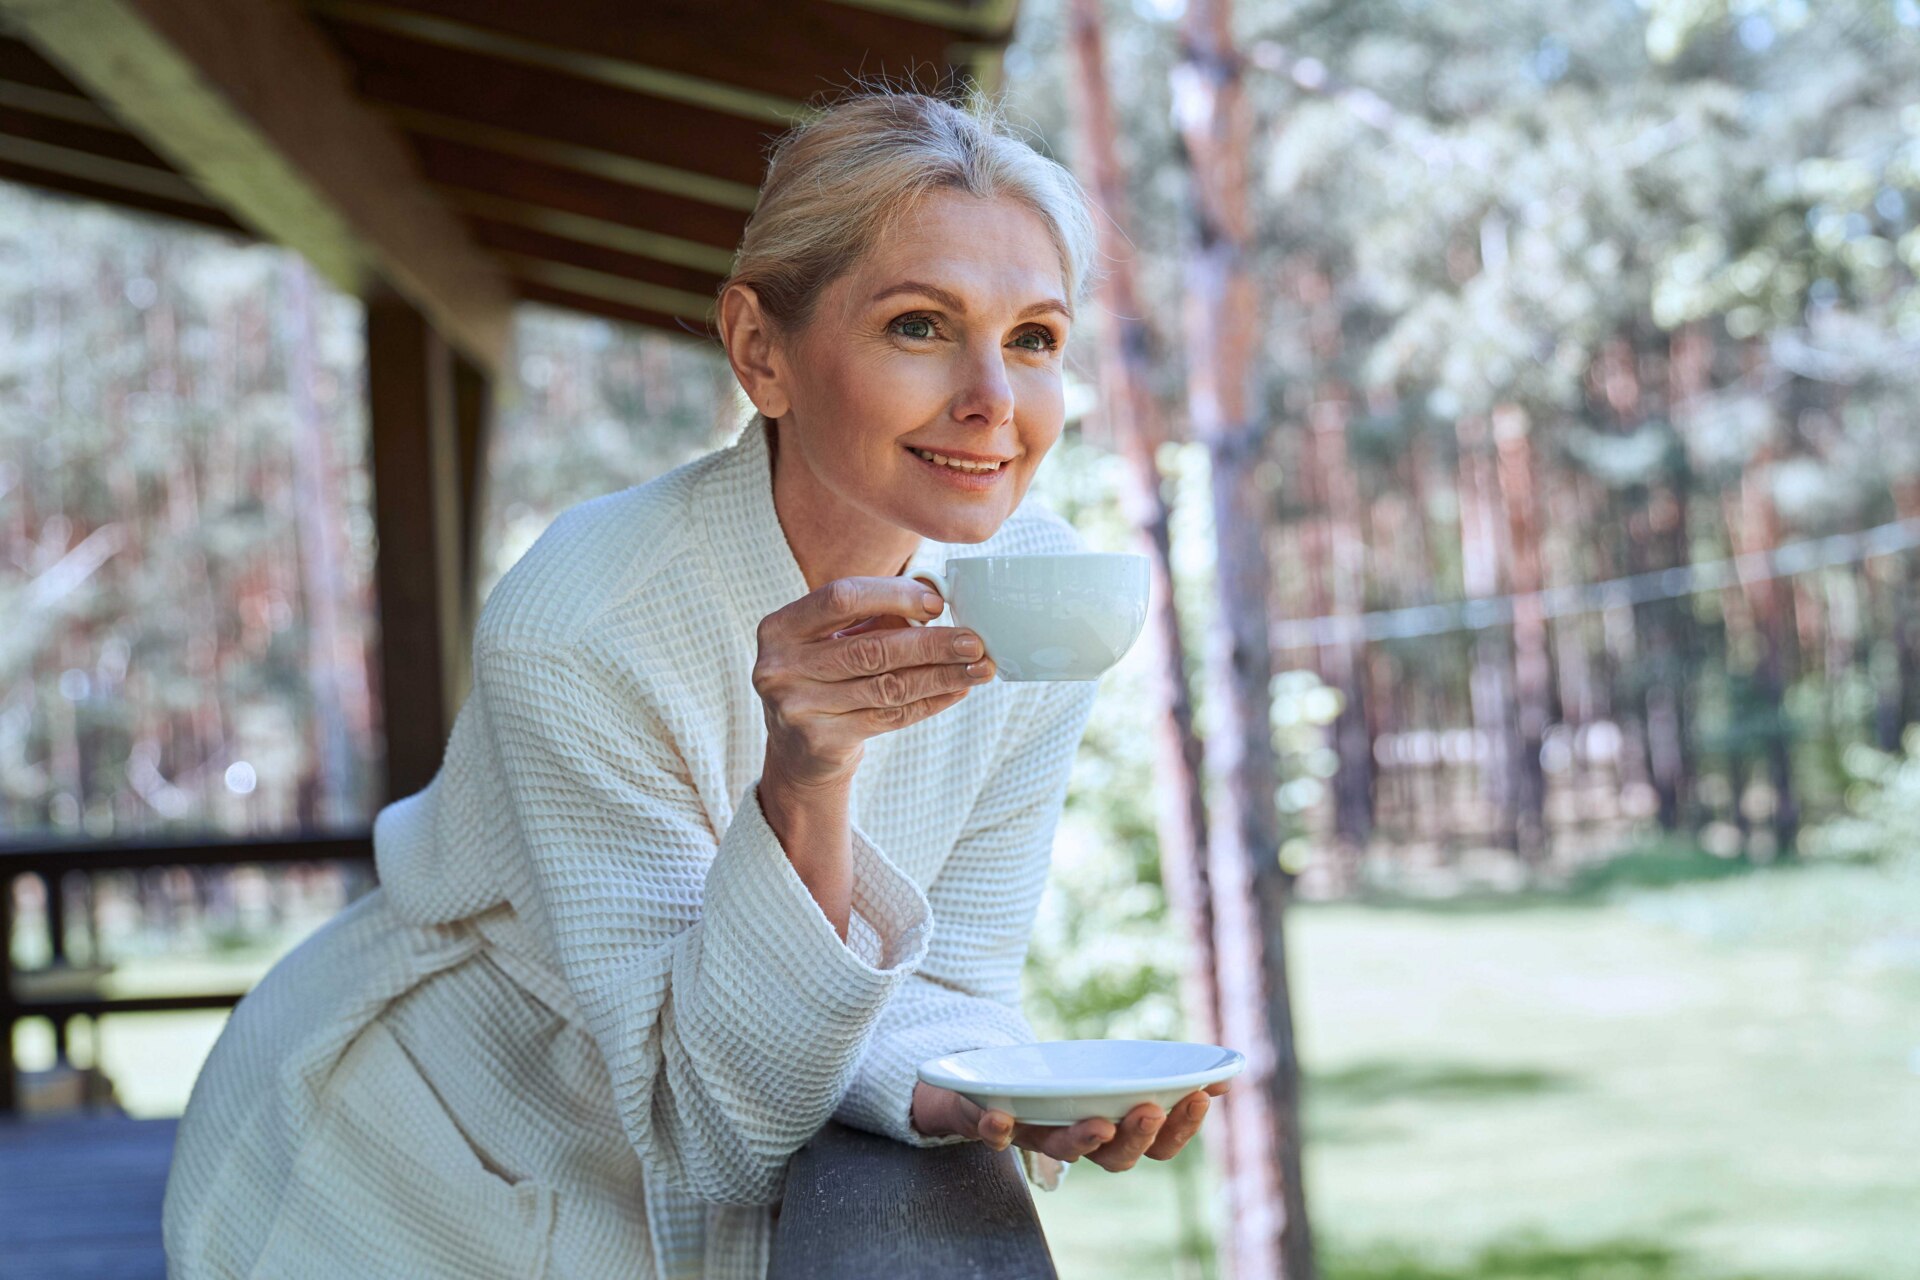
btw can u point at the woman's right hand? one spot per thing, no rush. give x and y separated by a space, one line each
843 664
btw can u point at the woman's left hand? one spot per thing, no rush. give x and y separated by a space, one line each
1146 1130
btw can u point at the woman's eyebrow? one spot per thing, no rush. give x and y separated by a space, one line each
952 301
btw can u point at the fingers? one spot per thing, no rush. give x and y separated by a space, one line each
1182 1123
1145 1131
845 601
882 667
870 653
894 689
1137 1132
1068 1142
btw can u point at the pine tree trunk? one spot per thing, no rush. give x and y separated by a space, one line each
1270 1238
1532 666
1137 426
1490 683
1756 528
1342 663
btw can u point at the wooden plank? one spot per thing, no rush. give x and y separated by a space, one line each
98 1006
69 135
89 184
857 1204
391 70
587 282
625 169
981 19
141 179
416 512
80 1196
249 101
748 101
43 858
584 230
566 300
507 238
21 63
531 183
793 51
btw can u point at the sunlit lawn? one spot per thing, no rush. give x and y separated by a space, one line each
1715 1080
1706 1081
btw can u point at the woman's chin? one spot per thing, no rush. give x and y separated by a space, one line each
960 526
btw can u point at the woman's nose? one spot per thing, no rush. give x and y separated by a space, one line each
985 390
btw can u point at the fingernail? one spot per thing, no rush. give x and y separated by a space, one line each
930 601
967 646
979 671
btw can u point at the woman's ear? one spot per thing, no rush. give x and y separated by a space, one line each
752 350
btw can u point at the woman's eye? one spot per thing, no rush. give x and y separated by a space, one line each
905 328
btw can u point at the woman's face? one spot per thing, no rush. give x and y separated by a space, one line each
947 339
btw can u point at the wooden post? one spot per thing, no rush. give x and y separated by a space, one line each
9 1011
473 407
414 421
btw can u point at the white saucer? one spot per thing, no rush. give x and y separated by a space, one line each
1058 1082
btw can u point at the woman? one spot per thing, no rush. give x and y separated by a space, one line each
722 846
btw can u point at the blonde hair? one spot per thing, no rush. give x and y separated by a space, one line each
836 185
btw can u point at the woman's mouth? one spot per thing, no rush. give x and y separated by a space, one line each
973 477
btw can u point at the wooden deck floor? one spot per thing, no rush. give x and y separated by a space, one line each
80 1197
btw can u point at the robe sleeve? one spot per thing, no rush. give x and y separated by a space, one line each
965 994
730 1014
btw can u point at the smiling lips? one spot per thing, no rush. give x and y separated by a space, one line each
970 466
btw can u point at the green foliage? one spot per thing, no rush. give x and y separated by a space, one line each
1883 822
1655 864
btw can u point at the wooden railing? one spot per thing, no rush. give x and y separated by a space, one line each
857 1204
45 994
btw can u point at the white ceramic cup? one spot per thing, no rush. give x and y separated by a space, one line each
1048 617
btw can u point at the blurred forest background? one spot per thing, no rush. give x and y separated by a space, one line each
1592 361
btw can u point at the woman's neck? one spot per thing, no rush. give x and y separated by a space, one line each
828 540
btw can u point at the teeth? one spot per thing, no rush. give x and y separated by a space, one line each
956 463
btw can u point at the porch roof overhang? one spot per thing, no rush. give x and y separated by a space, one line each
592 155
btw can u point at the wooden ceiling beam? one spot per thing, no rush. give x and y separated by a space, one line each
74 180
660 213
623 169
587 282
21 63
609 235
566 300
792 51
507 238
114 144
252 104
980 19
395 71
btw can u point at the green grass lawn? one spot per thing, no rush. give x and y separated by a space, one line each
1704 1080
